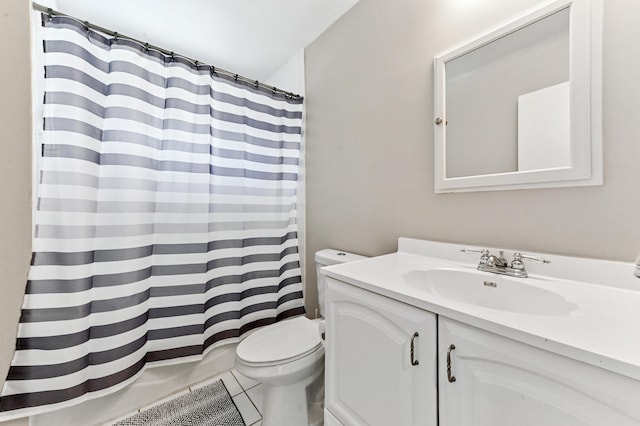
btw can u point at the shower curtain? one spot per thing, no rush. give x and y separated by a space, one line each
165 221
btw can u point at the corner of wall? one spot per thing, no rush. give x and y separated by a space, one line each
291 77
15 174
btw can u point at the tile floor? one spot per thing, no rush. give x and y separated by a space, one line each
246 393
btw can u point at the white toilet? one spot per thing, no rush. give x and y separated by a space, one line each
288 359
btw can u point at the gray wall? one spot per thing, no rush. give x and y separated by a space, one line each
15 173
369 87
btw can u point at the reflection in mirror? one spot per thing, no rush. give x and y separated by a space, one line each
520 105
490 90
544 128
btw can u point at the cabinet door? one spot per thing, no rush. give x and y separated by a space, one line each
370 377
500 382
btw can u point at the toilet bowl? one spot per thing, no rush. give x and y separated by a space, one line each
288 359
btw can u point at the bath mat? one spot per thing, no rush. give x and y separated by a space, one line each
210 405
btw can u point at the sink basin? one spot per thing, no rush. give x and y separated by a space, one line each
489 291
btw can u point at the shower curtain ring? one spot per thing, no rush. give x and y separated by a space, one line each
50 13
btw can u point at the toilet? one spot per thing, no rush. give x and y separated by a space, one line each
288 359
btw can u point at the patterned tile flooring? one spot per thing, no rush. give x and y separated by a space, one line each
246 393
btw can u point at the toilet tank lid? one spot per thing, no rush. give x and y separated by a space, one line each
328 257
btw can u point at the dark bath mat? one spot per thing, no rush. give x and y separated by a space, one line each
210 405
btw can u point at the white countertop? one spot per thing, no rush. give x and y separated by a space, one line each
603 329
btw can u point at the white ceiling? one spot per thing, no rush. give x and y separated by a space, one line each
253 38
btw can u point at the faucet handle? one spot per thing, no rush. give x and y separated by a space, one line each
484 254
516 263
470 250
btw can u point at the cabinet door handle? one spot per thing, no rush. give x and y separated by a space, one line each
450 376
413 338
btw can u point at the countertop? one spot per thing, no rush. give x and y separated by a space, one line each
602 328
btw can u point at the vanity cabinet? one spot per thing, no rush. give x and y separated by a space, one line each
372 376
501 382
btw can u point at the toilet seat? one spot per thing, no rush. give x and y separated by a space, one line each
280 343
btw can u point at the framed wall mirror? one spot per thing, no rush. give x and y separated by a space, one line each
520 105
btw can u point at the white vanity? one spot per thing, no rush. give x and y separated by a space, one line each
421 337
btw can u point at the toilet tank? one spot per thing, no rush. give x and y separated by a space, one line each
329 257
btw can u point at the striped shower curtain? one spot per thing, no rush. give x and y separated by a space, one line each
165 221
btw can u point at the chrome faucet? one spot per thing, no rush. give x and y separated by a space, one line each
497 261
499 265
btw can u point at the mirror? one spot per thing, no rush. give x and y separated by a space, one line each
519 106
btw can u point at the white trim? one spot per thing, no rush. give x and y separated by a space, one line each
586 104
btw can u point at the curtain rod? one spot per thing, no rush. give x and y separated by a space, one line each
51 12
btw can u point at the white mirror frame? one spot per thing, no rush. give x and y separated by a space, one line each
585 71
